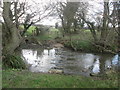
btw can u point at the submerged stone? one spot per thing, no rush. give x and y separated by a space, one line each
93 74
55 71
70 58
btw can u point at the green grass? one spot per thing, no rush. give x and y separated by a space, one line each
29 31
82 35
51 35
25 79
81 41
54 29
43 37
80 45
0 75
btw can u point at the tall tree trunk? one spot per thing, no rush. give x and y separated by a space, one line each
0 56
104 31
92 30
11 36
75 25
118 26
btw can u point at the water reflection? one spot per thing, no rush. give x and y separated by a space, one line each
115 60
96 66
108 64
39 63
87 60
70 62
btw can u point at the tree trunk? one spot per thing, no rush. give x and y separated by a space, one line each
75 25
104 31
11 36
0 56
118 27
37 31
91 27
92 30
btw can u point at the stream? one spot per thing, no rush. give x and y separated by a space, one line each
67 61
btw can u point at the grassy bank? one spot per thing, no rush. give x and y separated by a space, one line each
78 45
25 79
81 41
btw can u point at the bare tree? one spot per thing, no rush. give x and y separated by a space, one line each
90 26
13 12
11 36
69 15
105 26
67 12
118 14
37 14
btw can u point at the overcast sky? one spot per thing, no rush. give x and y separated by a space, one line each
95 7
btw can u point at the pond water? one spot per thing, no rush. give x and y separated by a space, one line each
43 60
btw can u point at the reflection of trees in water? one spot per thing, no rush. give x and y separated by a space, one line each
96 66
102 64
52 52
108 64
119 62
39 52
87 60
33 52
116 62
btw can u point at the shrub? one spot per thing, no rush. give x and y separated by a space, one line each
13 61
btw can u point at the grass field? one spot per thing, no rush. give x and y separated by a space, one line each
25 79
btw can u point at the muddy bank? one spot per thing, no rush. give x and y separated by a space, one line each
78 46
34 43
